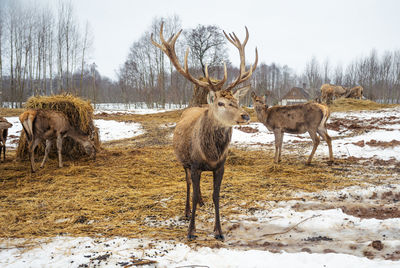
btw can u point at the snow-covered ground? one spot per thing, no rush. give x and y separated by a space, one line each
322 229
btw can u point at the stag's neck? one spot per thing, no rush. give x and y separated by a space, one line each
216 139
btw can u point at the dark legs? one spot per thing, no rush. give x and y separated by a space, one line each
195 175
188 185
218 175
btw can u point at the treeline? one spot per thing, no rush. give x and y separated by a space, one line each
43 51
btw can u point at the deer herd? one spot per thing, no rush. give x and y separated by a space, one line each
201 138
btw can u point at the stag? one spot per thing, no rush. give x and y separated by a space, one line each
4 126
51 125
202 136
328 92
295 119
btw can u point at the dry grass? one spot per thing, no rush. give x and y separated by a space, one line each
135 182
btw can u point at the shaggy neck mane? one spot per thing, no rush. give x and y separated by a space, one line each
216 137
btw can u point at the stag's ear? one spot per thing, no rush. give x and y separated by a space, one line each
211 97
241 92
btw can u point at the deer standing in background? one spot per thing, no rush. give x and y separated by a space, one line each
294 119
4 126
51 125
202 136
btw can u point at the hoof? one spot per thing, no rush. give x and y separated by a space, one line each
219 237
308 163
330 162
191 237
201 203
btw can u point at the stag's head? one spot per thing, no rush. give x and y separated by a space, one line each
223 103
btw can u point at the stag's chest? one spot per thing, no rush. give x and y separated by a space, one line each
212 151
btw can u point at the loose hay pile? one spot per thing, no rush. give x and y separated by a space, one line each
80 115
345 104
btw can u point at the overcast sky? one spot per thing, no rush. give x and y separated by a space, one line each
285 32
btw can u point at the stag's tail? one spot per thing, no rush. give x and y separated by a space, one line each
27 119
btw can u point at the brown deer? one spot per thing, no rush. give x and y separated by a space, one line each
4 126
202 136
355 92
329 92
296 119
51 125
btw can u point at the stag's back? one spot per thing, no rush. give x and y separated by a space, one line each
297 118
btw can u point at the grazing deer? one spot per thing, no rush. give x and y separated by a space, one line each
355 92
202 136
4 126
328 92
51 125
295 119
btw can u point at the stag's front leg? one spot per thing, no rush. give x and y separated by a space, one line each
59 150
46 152
188 185
218 175
195 175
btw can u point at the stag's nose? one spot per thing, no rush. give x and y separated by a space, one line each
245 117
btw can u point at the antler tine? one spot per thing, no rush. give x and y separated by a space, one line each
243 75
222 82
168 47
252 67
218 85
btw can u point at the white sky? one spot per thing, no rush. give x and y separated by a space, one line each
285 32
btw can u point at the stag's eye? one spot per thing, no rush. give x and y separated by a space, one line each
221 104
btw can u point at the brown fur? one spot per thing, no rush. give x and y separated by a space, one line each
4 126
51 125
355 92
295 119
329 92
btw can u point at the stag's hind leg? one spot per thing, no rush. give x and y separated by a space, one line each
32 146
324 134
316 141
278 145
46 152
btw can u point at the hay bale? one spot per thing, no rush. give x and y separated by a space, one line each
80 115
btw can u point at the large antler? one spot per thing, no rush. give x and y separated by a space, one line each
168 47
243 74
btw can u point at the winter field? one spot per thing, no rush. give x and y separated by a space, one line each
354 223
